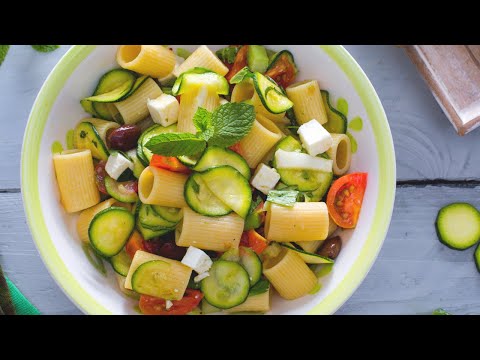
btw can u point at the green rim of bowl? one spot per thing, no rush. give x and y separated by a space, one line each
60 272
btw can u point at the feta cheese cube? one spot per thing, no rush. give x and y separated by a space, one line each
265 178
315 139
197 259
168 304
117 164
164 109
200 277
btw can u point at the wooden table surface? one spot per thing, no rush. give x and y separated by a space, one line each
413 274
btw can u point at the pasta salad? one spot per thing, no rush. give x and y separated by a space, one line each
210 180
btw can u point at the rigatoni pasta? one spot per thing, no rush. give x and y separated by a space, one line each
312 246
307 101
152 60
261 139
289 275
204 97
76 179
209 233
161 187
301 222
243 91
202 57
340 153
135 108
257 303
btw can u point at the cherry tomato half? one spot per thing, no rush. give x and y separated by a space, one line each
239 63
150 305
345 197
254 240
169 163
134 243
283 72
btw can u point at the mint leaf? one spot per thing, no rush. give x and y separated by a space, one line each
254 204
259 288
440 311
228 54
203 122
243 74
176 144
283 197
3 52
45 48
231 122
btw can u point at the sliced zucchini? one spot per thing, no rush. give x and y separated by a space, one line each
276 57
309 258
144 154
137 164
139 82
270 94
257 58
216 156
148 234
121 263
85 136
337 122
458 225
151 220
289 144
318 194
207 308
197 77
189 160
171 214
121 191
113 86
227 286
149 277
200 199
231 187
109 230
88 107
248 259
307 180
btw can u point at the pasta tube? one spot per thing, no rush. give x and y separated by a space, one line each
340 153
202 57
161 187
153 60
307 101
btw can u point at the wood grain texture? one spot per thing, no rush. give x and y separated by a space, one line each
453 74
413 274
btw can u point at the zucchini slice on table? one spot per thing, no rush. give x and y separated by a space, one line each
109 230
477 258
337 122
85 136
217 156
270 94
458 225
227 286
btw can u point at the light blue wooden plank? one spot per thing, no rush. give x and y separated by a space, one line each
414 273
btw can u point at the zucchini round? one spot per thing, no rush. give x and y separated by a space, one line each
270 94
200 199
121 263
216 156
458 225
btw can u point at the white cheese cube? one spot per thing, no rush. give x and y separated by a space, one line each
265 178
168 304
200 277
296 160
117 164
197 259
315 139
164 109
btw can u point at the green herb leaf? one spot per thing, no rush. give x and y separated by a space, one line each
45 48
231 123
243 74
183 53
203 122
259 288
254 204
228 54
176 144
3 52
283 197
440 311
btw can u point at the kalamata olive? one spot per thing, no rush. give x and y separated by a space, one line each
331 247
100 175
165 247
124 138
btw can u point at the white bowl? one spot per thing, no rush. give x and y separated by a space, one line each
57 110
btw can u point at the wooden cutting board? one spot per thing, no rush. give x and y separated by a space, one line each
453 74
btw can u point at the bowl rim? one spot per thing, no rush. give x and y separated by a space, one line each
85 302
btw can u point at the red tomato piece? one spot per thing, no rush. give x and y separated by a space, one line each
169 163
150 305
